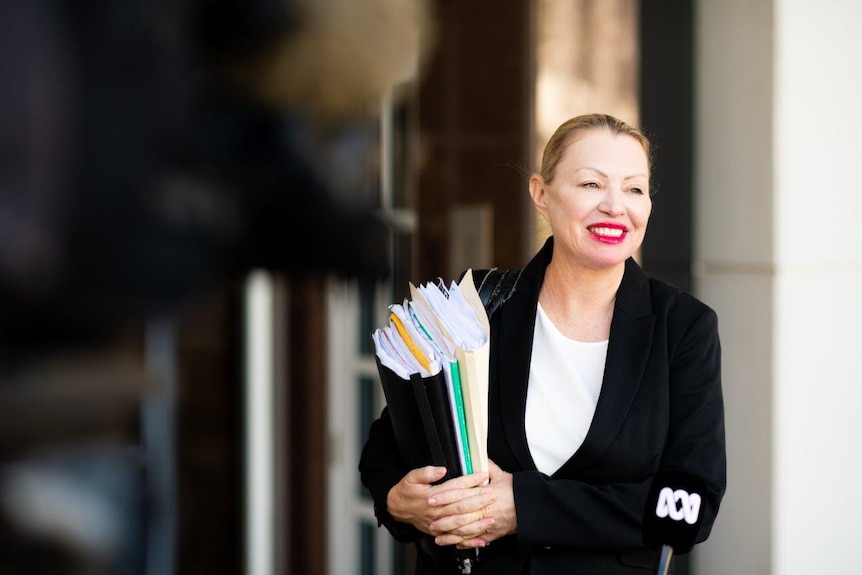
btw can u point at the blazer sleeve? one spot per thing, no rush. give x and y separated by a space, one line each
379 470
580 514
696 435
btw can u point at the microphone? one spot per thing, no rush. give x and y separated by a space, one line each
673 514
467 560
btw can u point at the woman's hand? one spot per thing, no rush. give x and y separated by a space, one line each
465 524
409 500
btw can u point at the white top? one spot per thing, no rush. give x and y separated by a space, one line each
563 390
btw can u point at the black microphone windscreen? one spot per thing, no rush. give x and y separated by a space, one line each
674 510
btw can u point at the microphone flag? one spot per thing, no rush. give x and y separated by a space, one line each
673 511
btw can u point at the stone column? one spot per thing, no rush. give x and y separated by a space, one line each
778 142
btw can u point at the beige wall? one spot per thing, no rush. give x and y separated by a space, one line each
586 61
733 262
776 197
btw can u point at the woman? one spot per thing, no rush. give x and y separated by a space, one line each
599 377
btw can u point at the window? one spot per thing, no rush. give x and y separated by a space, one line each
355 397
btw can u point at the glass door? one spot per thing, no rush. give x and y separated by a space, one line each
357 546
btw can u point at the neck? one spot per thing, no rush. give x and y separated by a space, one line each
580 301
593 287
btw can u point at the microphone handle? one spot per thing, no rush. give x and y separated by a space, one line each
664 560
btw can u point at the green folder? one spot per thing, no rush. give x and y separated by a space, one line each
462 420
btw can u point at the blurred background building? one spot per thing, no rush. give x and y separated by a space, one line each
218 432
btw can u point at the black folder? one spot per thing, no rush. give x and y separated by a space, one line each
421 418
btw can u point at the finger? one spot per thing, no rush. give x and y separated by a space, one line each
481 540
463 512
466 481
447 495
425 475
465 525
462 541
474 479
467 528
474 542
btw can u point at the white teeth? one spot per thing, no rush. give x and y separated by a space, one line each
611 232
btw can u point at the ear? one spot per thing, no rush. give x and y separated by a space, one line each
539 195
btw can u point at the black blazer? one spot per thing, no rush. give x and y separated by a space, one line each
660 406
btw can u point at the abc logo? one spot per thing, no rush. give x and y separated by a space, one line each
678 505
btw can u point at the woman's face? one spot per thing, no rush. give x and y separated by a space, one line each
597 203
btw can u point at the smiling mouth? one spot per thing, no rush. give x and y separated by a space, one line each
606 232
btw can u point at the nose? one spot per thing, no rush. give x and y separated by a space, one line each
612 203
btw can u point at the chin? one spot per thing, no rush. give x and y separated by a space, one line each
608 264
608 260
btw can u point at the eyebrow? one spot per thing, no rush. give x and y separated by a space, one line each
604 175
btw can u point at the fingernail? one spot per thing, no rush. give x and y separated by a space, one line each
432 501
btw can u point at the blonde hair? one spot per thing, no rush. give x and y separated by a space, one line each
569 129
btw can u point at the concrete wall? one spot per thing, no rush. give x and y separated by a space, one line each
818 287
777 193
733 262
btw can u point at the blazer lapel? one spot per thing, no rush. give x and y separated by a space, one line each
629 347
517 319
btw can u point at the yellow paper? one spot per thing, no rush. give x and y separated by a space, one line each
473 365
414 349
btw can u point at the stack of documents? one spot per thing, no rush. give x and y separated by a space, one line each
433 363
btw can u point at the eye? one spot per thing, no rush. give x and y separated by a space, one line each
590 185
637 191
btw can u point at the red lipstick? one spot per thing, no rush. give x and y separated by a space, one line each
608 232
